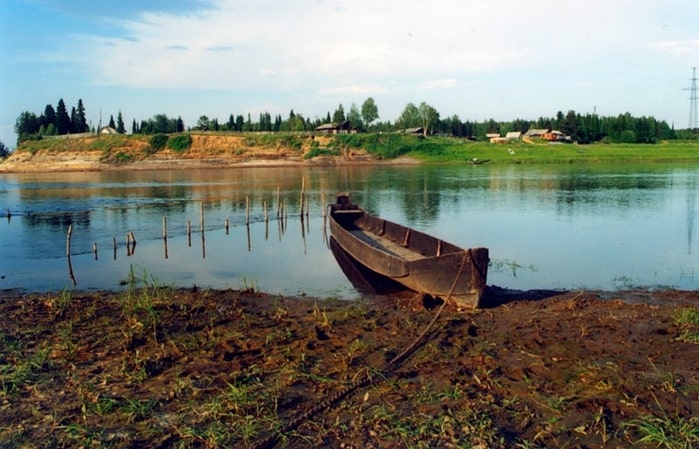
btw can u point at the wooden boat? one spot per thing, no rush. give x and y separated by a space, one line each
412 258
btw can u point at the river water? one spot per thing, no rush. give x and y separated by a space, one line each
547 227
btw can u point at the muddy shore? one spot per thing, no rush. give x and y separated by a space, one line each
168 368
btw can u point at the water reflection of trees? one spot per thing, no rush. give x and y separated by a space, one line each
607 191
58 221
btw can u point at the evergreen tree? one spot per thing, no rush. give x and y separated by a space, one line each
277 123
134 128
120 124
73 120
339 115
179 125
62 118
80 121
111 122
49 117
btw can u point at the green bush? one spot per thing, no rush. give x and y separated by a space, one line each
317 151
180 143
123 158
158 142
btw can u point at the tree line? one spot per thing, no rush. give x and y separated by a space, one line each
52 122
582 128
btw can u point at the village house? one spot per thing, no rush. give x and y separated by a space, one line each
334 128
509 137
550 135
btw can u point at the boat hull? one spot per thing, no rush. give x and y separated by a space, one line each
414 259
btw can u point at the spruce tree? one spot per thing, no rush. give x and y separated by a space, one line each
49 117
62 118
120 124
80 123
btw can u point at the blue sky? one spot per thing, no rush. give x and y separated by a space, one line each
501 59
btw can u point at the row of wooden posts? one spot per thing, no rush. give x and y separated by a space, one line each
281 215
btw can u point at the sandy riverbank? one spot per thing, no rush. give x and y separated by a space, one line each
207 151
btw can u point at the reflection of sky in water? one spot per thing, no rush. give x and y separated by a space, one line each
546 227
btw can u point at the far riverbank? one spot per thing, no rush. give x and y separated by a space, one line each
225 150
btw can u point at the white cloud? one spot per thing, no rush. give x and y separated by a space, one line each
679 47
305 43
438 84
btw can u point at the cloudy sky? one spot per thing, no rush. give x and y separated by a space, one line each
478 59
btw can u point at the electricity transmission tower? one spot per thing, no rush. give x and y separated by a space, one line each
693 101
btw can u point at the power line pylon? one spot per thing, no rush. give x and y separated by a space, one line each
693 101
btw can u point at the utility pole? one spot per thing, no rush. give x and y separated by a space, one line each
693 101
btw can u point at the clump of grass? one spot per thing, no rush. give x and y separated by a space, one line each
666 432
138 306
688 321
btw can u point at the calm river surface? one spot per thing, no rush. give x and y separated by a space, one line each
567 227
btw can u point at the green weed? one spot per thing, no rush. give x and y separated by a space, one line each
688 321
666 432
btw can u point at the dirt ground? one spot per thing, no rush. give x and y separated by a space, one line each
162 368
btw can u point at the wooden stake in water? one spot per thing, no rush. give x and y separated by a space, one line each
226 224
68 237
201 220
303 182
264 207
189 233
279 203
165 235
114 246
247 210
94 249
130 244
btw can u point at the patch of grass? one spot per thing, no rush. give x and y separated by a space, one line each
19 369
317 151
688 321
122 158
666 432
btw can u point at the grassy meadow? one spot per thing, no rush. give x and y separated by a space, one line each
448 149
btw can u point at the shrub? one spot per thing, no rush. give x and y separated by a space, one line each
317 151
158 142
180 143
123 158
